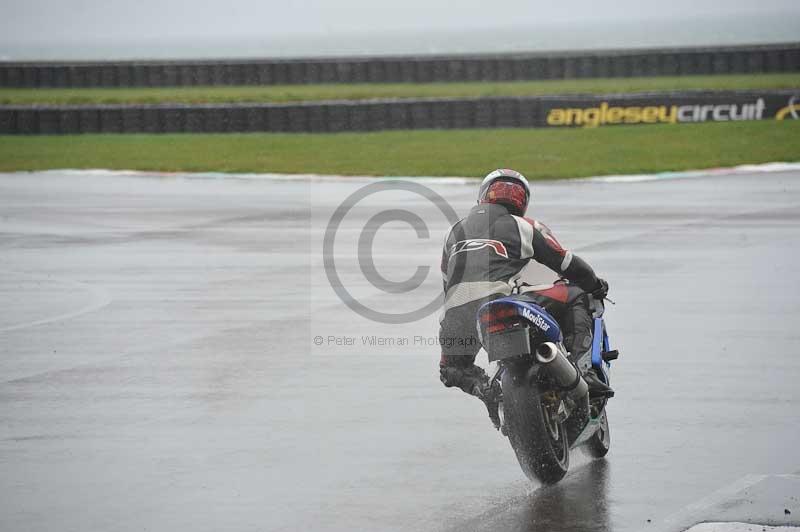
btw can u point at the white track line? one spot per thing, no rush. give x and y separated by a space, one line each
699 507
696 511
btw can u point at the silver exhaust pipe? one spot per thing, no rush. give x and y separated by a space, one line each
561 370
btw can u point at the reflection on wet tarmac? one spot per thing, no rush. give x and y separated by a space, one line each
577 503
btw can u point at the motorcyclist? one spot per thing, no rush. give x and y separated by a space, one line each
483 258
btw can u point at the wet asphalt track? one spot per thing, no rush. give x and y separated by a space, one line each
159 370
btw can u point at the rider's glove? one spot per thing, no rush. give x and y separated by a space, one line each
601 290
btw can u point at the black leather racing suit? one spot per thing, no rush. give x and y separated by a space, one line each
483 258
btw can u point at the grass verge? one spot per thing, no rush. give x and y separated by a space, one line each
292 93
538 153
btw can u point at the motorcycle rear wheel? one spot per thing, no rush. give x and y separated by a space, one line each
538 439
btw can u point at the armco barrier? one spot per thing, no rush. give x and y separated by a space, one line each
421 69
545 111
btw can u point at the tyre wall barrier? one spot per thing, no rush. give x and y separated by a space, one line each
377 115
421 69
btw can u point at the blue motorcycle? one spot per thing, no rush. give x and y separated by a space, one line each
543 403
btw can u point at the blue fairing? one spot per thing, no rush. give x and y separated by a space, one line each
531 312
600 345
597 343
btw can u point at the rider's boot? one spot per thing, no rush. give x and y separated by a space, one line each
580 341
597 388
474 381
490 395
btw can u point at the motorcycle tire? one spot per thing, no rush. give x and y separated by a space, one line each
539 441
600 442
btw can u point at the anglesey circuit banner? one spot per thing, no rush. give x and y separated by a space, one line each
669 108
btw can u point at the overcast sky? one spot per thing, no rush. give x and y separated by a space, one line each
24 22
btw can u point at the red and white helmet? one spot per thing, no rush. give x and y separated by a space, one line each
506 187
